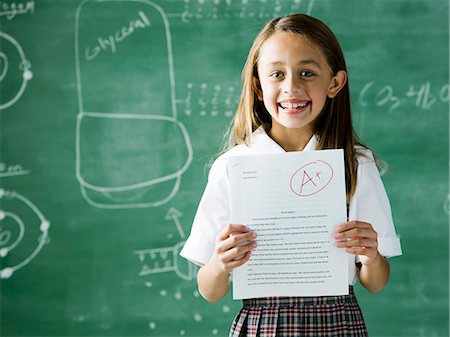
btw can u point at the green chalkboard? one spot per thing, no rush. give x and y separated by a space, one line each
110 114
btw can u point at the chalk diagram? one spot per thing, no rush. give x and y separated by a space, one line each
16 233
131 150
167 259
15 71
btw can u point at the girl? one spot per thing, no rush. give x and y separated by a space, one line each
295 97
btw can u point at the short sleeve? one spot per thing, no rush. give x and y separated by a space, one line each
213 213
370 204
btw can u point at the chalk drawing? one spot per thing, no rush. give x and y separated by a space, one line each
165 259
14 68
12 170
198 317
131 150
15 223
174 214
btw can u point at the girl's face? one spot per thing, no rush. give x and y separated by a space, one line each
295 80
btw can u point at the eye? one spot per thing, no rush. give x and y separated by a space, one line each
277 74
306 73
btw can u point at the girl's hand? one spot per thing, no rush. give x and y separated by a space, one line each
233 247
358 238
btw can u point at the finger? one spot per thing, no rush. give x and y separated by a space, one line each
238 239
352 224
360 242
236 253
362 251
230 228
357 232
237 263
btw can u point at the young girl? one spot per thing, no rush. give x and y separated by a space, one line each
295 97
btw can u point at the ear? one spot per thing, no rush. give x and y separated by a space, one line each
257 88
337 82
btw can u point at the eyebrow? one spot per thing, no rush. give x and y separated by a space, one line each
302 62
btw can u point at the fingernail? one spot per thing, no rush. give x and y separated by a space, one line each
253 235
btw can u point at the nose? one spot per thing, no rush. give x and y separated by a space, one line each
291 85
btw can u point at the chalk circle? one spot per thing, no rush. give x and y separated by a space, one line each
13 58
15 208
5 236
3 65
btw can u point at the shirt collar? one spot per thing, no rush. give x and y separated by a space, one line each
260 138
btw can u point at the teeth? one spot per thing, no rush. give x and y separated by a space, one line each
287 105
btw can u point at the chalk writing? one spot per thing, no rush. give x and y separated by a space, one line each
241 9
209 100
110 43
422 96
10 10
11 170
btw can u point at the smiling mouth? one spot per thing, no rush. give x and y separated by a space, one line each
294 107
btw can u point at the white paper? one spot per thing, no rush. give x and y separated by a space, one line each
293 201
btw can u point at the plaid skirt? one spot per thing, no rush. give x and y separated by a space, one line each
325 316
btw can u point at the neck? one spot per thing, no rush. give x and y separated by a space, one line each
290 139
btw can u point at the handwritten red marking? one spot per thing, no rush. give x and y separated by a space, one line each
309 178
303 181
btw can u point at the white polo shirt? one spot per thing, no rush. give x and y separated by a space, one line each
369 203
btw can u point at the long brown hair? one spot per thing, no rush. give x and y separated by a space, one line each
333 127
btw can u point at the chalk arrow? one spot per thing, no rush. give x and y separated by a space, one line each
174 214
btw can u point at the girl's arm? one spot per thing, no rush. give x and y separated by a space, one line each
233 249
374 276
359 238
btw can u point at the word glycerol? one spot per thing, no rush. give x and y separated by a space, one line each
110 43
